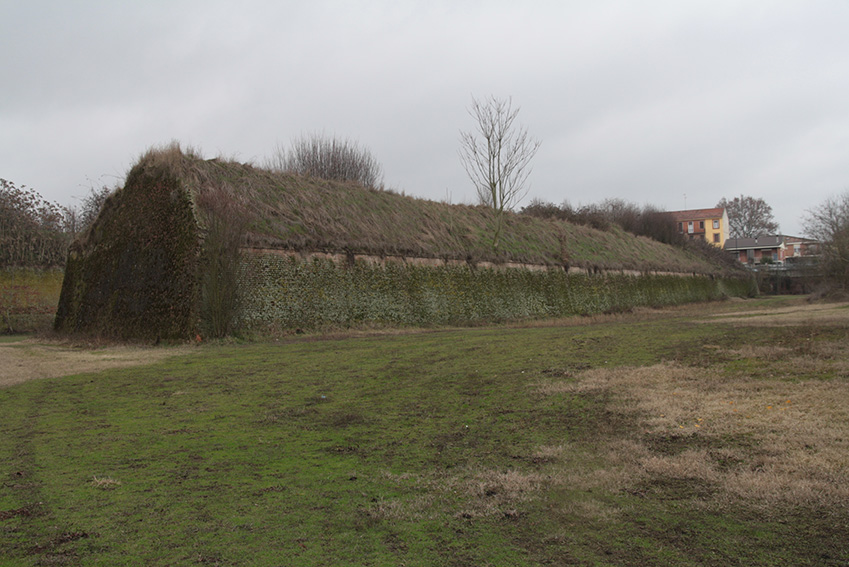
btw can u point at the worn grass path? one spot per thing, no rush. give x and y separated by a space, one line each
23 359
606 441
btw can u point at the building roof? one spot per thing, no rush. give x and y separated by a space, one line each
798 239
760 242
696 214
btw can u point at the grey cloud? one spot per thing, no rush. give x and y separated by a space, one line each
643 101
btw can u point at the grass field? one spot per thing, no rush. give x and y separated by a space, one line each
713 434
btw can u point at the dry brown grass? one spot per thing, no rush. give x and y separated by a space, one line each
30 359
105 483
716 436
769 442
827 314
302 213
485 493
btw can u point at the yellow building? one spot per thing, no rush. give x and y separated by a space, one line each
708 224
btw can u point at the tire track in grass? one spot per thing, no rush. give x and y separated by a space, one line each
22 523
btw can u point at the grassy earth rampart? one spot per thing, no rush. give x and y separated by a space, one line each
162 259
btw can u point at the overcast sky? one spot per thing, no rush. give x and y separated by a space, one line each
675 104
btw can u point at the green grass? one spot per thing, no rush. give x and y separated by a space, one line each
426 448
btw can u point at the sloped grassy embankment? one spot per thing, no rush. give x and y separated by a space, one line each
296 213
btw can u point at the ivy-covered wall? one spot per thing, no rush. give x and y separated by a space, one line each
280 293
135 273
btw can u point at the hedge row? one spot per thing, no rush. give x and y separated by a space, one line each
284 293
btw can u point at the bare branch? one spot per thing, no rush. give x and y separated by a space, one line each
748 217
329 158
828 223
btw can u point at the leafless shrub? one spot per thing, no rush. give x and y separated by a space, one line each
329 158
92 203
705 249
648 221
31 228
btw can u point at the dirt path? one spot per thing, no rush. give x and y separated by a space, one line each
801 314
29 359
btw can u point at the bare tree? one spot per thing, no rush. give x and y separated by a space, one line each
329 158
92 203
497 157
748 217
829 224
77 219
31 228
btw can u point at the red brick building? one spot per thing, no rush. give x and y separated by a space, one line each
770 249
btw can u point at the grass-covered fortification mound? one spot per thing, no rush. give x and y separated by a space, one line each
167 257
134 273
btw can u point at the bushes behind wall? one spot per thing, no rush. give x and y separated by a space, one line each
285 293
